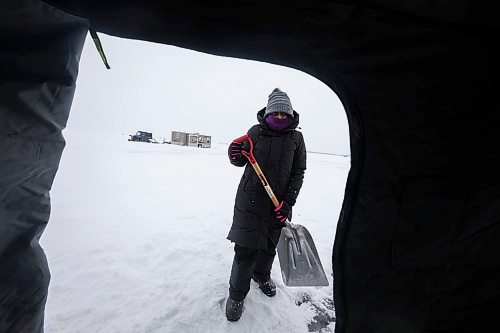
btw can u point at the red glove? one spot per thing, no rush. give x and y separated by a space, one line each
282 212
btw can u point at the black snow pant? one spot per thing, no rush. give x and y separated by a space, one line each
248 262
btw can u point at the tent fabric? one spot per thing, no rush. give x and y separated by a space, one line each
417 238
39 55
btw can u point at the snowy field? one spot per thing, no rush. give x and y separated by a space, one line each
137 241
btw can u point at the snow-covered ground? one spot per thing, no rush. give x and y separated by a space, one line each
137 241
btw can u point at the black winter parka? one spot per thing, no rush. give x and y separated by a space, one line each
282 158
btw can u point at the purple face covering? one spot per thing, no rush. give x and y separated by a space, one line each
278 124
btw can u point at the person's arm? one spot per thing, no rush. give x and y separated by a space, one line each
297 174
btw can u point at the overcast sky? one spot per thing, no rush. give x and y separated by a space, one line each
160 88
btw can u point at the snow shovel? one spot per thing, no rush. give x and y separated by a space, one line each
299 260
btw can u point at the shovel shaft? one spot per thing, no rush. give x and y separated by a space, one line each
268 188
264 182
256 167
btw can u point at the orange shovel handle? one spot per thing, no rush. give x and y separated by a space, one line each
256 167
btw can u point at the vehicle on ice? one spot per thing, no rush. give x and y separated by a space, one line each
142 136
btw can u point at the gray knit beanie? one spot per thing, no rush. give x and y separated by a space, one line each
278 102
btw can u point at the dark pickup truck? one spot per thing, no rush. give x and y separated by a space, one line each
141 137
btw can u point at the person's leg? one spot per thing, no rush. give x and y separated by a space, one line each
241 272
265 258
239 282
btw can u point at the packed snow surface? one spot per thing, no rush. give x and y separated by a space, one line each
137 241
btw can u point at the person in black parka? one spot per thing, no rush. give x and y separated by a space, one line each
280 151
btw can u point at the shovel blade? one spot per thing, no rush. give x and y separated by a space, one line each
299 260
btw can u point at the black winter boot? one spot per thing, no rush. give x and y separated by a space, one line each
234 309
268 287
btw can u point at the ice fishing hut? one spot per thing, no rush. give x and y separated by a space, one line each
179 138
191 139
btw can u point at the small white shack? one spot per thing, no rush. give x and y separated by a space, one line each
191 139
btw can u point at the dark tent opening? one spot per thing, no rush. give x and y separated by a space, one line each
416 243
